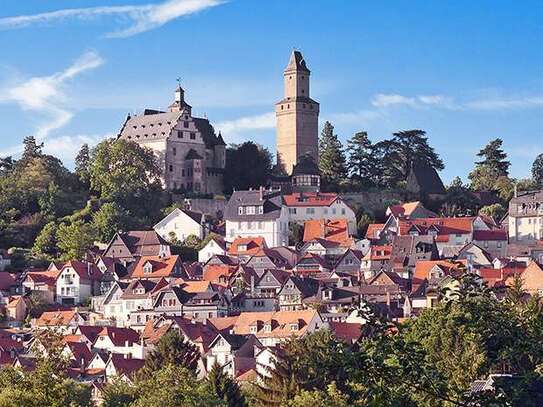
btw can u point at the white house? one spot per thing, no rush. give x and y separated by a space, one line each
216 245
181 223
257 213
303 206
76 282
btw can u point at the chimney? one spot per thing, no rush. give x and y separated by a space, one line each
252 284
388 298
82 365
261 191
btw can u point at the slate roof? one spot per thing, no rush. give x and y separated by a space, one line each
270 200
151 125
306 166
424 179
296 62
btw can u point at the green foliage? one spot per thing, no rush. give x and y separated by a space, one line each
173 350
248 165
46 242
295 233
495 211
492 172
109 220
74 239
364 220
332 162
224 387
459 200
118 393
319 398
362 159
537 171
82 165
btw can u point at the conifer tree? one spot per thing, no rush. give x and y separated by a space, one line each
332 162
361 160
82 163
172 349
224 387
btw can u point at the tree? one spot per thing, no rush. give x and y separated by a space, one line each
46 241
332 162
173 350
537 171
124 172
295 234
319 398
362 158
459 200
109 220
248 165
74 239
31 150
492 167
412 146
495 211
224 387
82 165
363 222
119 393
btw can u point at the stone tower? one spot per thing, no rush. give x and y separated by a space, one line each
297 116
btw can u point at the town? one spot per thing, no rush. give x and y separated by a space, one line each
177 266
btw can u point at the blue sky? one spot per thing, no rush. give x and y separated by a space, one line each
464 71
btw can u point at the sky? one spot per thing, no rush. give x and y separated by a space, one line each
465 72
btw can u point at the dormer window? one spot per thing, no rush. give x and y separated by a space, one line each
260 210
148 268
293 327
253 329
267 327
250 210
240 210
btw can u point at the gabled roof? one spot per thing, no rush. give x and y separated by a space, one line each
6 280
253 244
193 155
373 230
160 267
302 199
336 230
270 201
56 318
195 216
407 209
125 365
119 336
140 242
86 271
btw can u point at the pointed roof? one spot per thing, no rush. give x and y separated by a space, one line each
296 62
220 140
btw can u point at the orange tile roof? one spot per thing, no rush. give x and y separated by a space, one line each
215 271
310 199
423 267
254 244
280 323
332 230
161 266
444 226
55 318
380 252
373 229
196 286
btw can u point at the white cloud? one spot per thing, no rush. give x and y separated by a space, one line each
142 17
385 100
44 95
231 128
505 103
67 147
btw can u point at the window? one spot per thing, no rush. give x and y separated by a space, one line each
193 136
292 211
179 134
183 172
310 211
343 211
250 210
174 151
249 225
186 125
240 210
333 211
171 168
260 210
293 327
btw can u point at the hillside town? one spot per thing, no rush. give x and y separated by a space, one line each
312 246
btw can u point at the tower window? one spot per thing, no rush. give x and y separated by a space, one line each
303 91
179 134
174 151
193 136
282 107
171 168
186 125
288 106
302 77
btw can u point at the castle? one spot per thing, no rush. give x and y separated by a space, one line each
190 154
297 116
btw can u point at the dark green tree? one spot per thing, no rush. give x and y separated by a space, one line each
362 159
46 242
248 165
172 350
493 166
224 387
74 239
109 220
537 171
82 165
332 162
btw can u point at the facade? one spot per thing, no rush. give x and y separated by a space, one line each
181 223
76 282
297 116
526 217
257 213
190 154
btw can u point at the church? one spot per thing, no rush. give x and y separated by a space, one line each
190 154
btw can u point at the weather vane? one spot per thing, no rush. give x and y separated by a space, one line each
179 81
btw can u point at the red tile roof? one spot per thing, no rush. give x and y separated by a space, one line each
490 235
373 230
253 244
86 271
161 267
310 199
349 332
332 230
443 226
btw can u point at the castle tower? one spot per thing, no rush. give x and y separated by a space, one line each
297 116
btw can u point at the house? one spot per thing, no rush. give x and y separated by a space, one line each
377 259
269 259
64 321
182 223
244 248
117 340
475 256
110 304
137 296
232 352
126 247
42 283
312 263
532 279
374 233
409 210
76 282
294 291
215 246
16 308
158 267
304 206
261 293
257 213
331 230
525 217
410 249
271 328
122 366
350 262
